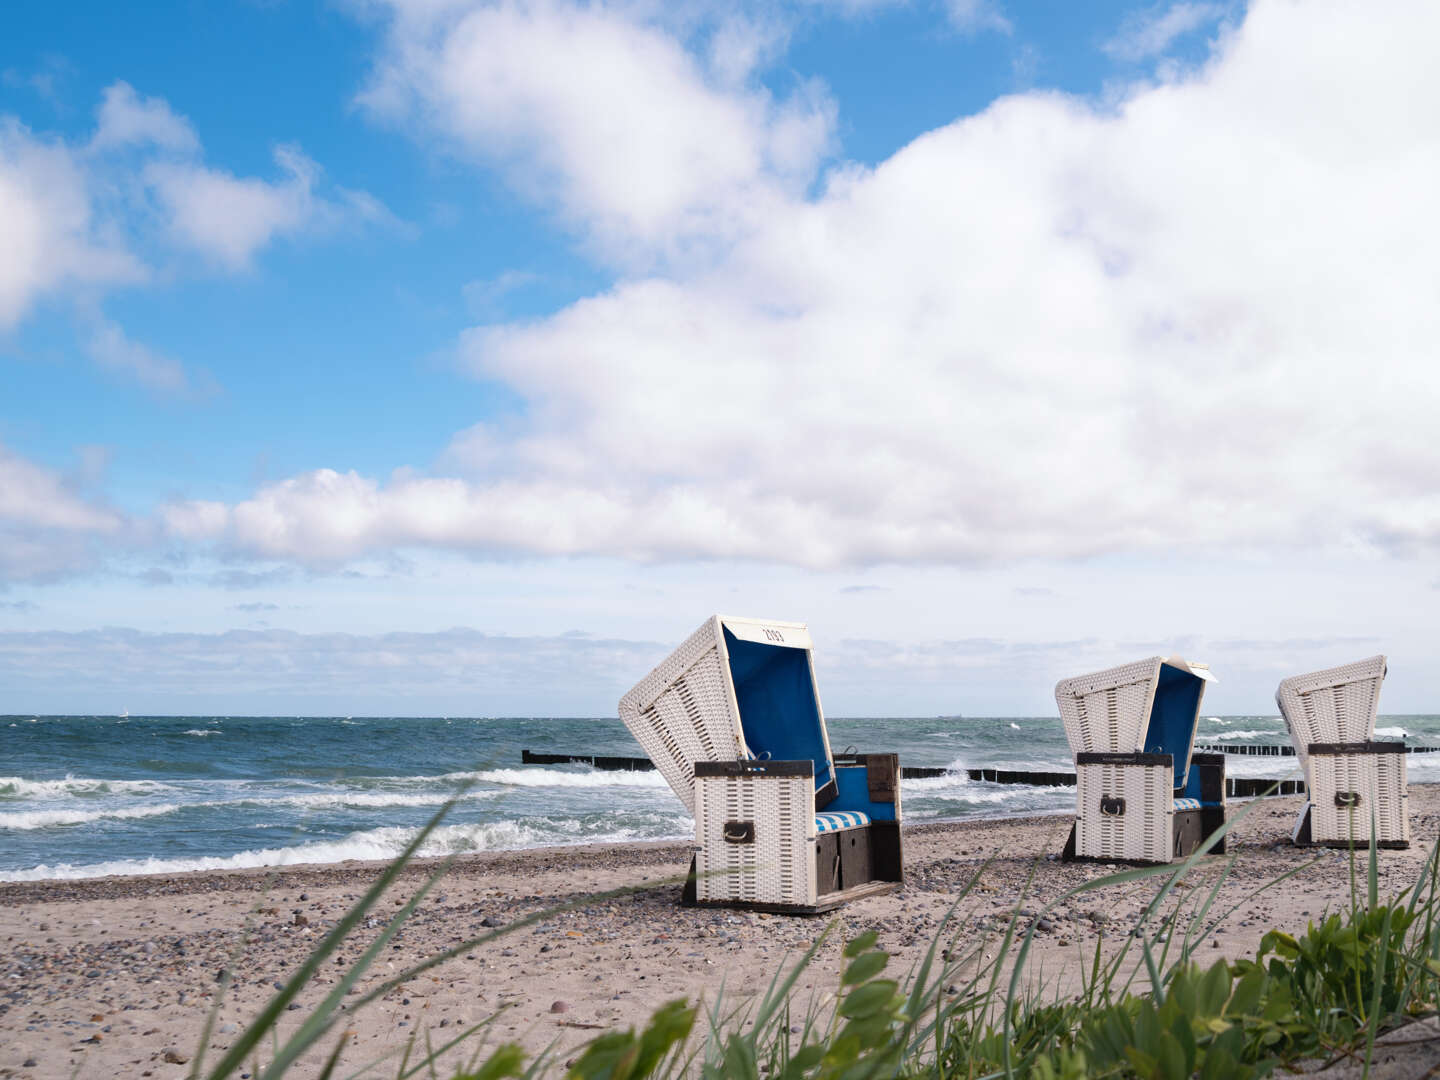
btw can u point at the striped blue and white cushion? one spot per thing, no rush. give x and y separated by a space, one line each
842 819
1187 804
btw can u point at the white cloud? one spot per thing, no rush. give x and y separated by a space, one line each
975 16
33 495
47 527
52 238
229 218
82 216
109 347
1151 31
606 117
1199 319
125 118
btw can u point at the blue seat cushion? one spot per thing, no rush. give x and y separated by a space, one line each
840 820
1187 804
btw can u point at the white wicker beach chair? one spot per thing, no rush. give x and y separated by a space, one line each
1352 780
732 720
1143 795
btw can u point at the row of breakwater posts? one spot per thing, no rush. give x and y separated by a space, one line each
1236 787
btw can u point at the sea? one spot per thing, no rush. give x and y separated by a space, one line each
88 796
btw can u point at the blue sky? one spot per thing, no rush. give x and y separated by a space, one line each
438 338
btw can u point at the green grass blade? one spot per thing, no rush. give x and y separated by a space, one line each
268 1017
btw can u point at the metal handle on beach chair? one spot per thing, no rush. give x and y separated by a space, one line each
1112 807
739 832
1347 800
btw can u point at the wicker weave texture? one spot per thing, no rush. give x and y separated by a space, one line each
1106 712
1335 705
683 712
1379 781
1143 832
778 867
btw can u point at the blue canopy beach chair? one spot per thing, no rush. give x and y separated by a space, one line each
732 720
1142 793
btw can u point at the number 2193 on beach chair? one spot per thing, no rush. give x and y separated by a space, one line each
1352 780
732 720
1142 795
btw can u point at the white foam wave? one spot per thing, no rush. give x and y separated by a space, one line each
1247 735
926 784
47 819
374 844
366 799
17 787
550 778
962 789
1216 720
1392 732
202 732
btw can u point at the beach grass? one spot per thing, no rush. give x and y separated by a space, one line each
971 1007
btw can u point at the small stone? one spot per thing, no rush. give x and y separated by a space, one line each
304 896
299 920
149 948
29 1063
1044 924
228 1029
560 1007
292 1006
492 920
174 1057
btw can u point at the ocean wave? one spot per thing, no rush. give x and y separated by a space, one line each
925 784
202 732
545 778
361 799
374 844
23 820
18 787
45 819
978 792
1392 732
1247 735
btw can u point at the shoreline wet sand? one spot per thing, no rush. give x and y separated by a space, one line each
104 976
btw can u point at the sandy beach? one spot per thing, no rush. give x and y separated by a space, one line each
115 976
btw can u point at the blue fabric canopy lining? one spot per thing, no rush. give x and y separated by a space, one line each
779 713
1173 718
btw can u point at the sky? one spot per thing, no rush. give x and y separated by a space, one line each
446 357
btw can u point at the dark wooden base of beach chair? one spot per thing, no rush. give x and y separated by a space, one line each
1302 838
849 865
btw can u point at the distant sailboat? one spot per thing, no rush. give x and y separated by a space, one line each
124 714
